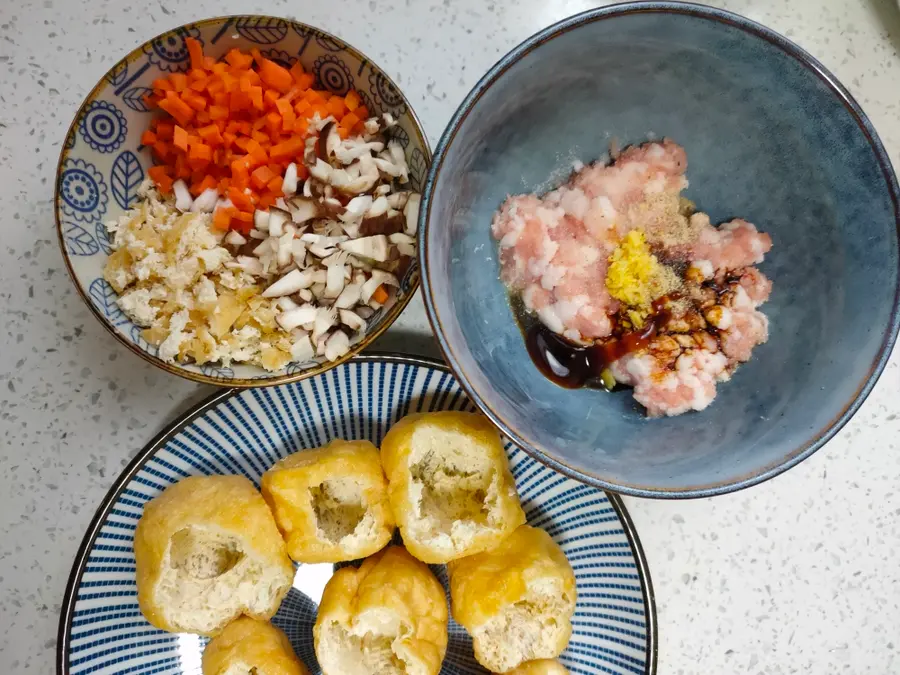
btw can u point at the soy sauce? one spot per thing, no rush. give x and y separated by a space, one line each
573 366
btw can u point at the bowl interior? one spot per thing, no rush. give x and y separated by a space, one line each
103 161
768 140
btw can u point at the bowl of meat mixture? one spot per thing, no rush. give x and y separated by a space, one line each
660 249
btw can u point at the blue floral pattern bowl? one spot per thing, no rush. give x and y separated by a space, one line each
103 163
770 135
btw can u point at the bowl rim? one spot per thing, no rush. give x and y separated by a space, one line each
174 368
805 59
181 421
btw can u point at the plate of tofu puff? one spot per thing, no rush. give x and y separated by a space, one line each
366 521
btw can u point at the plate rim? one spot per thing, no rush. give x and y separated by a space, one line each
67 608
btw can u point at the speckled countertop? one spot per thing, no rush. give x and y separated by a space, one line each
799 575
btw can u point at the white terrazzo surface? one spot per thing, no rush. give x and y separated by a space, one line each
799 575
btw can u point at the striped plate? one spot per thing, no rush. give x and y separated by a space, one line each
244 432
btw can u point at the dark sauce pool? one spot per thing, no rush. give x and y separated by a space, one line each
574 366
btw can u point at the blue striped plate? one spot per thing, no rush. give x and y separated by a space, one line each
244 432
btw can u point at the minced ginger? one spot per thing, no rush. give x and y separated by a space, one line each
636 277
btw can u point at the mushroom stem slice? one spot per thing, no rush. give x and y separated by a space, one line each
290 283
302 350
337 345
292 318
411 211
374 247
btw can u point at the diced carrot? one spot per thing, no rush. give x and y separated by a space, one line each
305 81
200 151
380 295
349 121
260 137
177 108
195 49
202 117
238 59
214 87
208 62
239 101
222 219
210 134
165 131
288 149
344 132
240 199
256 98
352 100
157 172
266 200
193 99
362 112
229 138
218 112
275 184
162 150
297 71
182 169
273 122
301 126
337 107
221 68
314 96
240 173
180 139
302 106
319 109
206 183
179 81
270 96
274 75
162 84
148 138
261 177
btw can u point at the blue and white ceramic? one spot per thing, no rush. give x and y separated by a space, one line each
103 162
244 432
771 136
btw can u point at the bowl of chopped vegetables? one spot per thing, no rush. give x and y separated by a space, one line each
237 200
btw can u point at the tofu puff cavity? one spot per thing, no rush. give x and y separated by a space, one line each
207 550
389 617
516 601
450 486
250 646
331 504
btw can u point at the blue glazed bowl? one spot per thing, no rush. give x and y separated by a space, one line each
771 136
103 163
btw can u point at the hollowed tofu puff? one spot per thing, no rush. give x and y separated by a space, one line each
516 601
450 486
540 667
207 550
331 504
389 617
250 646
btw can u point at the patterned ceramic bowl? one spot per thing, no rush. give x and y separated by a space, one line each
103 163
770 135
102 630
